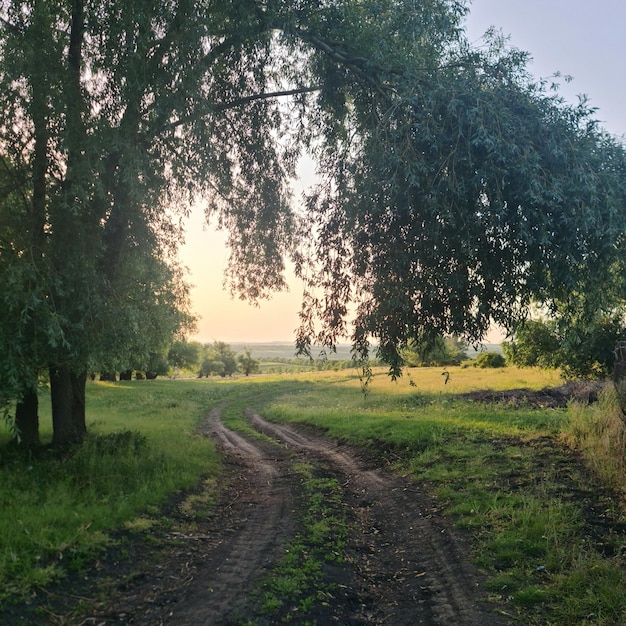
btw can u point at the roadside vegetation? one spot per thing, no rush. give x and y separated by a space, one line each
60 509
547 527
538 490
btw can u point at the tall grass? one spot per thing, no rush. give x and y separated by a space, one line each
599 432
57 510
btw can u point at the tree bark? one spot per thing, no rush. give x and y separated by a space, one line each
619 374
67 392
27 419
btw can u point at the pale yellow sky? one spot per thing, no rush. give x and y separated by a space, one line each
224 318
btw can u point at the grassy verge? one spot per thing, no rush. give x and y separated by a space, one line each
59 510
542 530
599 432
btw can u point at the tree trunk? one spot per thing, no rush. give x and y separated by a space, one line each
67 392
619 374
27 419
27 408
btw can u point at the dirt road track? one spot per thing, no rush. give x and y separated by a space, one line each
405 566
410 562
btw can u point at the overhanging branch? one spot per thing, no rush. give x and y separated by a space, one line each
238 102
264 96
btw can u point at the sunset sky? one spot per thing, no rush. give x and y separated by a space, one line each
580 38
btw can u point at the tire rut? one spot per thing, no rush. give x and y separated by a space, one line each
405 556
245 555
403 565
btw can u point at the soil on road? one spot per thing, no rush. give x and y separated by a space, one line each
403 564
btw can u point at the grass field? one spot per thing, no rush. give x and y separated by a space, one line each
501 472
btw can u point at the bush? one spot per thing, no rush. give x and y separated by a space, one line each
490 359
536 344
582 348
435 351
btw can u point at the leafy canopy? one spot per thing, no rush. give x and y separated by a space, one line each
455 191
580 347
454 188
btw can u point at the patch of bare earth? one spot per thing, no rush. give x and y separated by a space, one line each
549 397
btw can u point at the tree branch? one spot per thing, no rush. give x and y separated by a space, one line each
238 102
264 96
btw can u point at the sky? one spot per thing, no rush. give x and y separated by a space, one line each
581 38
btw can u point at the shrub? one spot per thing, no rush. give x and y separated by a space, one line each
490 359
582 348
436 351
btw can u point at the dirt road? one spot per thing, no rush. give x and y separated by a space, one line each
404 565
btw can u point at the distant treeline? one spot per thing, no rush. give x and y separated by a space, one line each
302 364
222 359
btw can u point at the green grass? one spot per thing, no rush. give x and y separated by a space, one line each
501 473
58 510
599 432
296 584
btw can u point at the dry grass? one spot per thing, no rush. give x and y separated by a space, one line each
599 432
432 380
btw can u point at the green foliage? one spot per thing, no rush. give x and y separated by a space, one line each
489 359
599 432
439 351
157 365
247 364
588 344
184 355
219 359
535 344
62 508
582 346
467 189
88 240
27 325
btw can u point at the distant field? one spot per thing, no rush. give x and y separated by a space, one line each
287 350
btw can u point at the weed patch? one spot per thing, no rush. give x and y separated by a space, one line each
299 582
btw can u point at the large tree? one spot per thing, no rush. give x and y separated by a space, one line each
88 260
455 191
454 188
